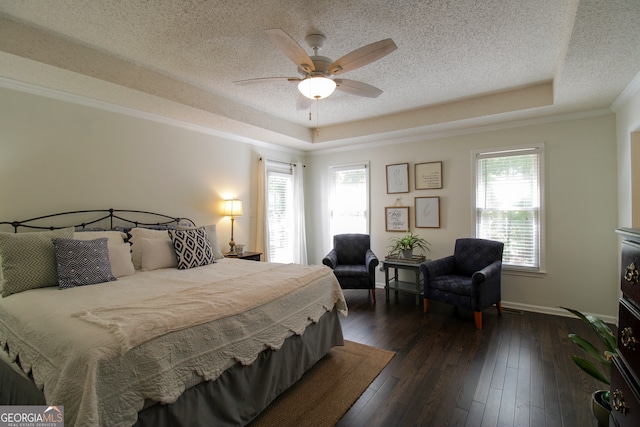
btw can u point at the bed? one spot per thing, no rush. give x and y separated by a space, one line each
164 340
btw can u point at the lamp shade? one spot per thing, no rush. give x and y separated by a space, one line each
233 207
316 87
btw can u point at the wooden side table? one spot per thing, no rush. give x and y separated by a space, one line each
409 287
251 256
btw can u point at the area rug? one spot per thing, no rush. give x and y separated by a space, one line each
327 391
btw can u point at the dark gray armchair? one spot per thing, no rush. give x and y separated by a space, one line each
353 262
470 278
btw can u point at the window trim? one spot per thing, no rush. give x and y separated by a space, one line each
515 150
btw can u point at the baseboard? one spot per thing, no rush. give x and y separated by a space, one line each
555 311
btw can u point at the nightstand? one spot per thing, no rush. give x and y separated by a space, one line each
251 256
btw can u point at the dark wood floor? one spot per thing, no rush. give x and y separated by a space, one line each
515 372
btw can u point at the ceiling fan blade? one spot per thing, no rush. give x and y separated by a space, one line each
363 56
357 88
267 80
291 48
303 103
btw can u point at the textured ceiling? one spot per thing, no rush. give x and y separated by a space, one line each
458 62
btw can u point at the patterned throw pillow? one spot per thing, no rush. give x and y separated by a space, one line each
192 248
28 260
82 262
213 238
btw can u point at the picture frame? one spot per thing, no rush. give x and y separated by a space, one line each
427 212
428 176
396 218
398 178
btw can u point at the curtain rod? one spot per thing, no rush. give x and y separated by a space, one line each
282 163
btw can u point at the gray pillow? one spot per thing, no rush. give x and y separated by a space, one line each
28 260
82 262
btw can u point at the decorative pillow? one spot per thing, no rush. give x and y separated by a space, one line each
120 258
137 234
28 260
192 248
82 262
115 237
213 238
158 253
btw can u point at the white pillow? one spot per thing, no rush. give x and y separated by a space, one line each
114 237
137 234
120 257
158 253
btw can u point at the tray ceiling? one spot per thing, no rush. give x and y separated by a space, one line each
458 63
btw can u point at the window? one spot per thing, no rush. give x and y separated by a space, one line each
349 199
508 203
284 212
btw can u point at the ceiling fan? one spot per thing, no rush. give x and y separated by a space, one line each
318 73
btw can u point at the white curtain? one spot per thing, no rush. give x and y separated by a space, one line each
300 240
261 223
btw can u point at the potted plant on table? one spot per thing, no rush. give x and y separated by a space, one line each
600 403
403 246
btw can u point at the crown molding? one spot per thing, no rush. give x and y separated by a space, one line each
629 92
424 134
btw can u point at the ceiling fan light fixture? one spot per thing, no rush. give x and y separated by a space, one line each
317 87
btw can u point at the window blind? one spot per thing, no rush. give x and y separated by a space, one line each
349 199
508 203
279 215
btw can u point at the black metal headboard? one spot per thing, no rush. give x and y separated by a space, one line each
124 216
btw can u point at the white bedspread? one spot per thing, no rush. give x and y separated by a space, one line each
102 350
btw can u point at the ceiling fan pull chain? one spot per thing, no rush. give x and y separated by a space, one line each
317 120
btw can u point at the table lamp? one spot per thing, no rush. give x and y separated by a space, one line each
232 208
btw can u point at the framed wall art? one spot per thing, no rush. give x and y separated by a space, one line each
396 218
427 211
398 178
428 175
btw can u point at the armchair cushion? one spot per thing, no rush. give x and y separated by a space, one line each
456 285
351 271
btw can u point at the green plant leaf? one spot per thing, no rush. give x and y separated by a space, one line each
590 368
409 241
603 332
599 327
587 347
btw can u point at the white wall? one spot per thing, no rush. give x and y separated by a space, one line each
57 156
581 208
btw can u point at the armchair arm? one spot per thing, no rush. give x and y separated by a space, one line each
371 261
331 260
487 273
438 267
